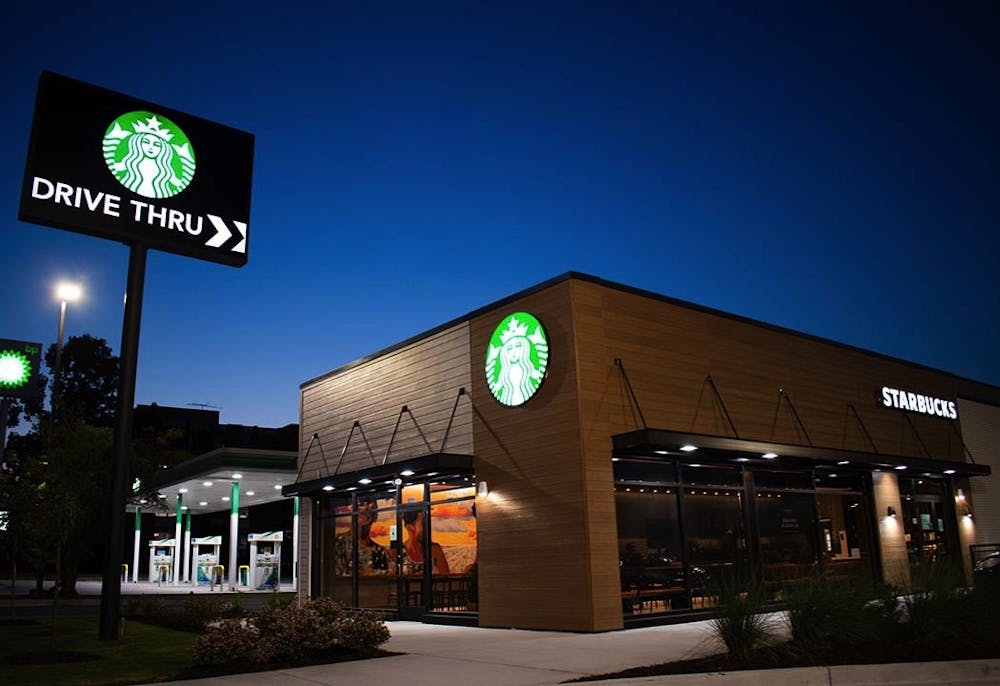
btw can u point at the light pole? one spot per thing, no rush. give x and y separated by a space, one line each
66 292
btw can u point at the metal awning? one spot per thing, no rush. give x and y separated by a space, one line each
409 470
660 442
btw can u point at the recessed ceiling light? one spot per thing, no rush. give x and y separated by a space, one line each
949 471
365 481
237 475
328 488
203 503
277 487
206 483
742 459
769 456
182 490
184 507
689 448
695 465
251 493
842 462
900 467
225 498
406 472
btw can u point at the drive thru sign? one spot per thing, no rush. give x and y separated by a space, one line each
110 165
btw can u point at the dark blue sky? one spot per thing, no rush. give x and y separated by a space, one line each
830 168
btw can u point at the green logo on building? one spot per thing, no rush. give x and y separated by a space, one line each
516 359
15 369
149 154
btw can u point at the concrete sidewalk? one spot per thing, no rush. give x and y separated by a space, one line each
509 657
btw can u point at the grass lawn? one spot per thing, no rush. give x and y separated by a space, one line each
144 654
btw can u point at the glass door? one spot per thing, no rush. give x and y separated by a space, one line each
411 549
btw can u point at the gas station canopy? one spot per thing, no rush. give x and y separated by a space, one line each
205 482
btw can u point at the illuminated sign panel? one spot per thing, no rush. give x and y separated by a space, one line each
112 166
20 362
915 402
516 359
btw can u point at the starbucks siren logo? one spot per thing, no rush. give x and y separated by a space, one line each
516 359
149 154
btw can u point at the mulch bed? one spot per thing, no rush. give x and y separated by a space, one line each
789 655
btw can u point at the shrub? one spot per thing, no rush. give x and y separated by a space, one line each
226 642
823 611
290 633
740 624
933 607
285 633
198 610
328 608
361 631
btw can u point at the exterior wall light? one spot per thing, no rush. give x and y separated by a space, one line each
483 489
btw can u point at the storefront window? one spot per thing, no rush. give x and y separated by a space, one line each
453 534
336 562
787 537
367 539
649 550
716 541
645 472
845 524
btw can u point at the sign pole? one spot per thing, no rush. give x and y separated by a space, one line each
4 411
111 587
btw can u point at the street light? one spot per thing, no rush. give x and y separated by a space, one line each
66 292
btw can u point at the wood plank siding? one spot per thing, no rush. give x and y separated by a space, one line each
425 376
534 548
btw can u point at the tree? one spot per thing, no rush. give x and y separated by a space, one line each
57 474
87 383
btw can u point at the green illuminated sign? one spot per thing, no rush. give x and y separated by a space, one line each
19 365
149 154
516 359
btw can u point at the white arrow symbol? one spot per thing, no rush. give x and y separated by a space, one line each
242 245
223 234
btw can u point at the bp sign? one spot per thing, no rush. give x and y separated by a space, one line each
109 165
516 359
20 362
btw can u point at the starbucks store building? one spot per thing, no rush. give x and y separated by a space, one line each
587 456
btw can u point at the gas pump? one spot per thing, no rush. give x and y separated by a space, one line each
265 559
161 560
205 553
